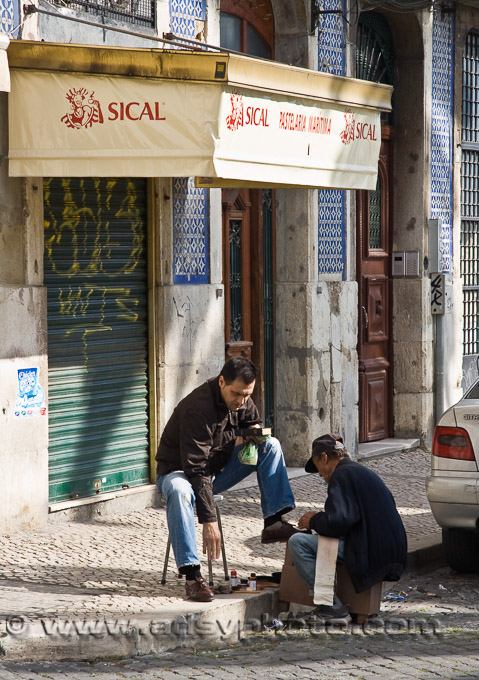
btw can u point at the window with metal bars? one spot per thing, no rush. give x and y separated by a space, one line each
140 12
374 51
470 194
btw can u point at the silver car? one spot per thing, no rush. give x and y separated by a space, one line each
453 487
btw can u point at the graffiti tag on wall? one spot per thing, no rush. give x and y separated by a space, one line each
94 243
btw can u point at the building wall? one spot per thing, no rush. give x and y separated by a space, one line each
423 189
24 450
337 251
412 323
190 294
316 291
316 300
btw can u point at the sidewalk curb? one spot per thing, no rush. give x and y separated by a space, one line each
55 639
425 553
187 625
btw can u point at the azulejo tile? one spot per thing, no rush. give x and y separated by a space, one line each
331 223
6 16
441 148
190 232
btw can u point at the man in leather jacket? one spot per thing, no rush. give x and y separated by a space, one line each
198 457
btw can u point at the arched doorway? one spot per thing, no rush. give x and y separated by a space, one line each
248 227
374 61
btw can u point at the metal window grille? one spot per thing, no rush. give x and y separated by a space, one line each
374 50
140 12
236 272
470 195
375 217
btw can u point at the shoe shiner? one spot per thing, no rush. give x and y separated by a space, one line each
200 455
360 513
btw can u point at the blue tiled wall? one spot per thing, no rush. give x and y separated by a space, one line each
183 14
9 13
331 223
442 130
190 205
190 232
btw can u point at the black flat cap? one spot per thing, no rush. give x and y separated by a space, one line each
327 443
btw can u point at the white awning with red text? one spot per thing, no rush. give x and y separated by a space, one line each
222 118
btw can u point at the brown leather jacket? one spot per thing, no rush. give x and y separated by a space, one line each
199 439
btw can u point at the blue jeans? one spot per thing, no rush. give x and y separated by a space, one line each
303 548
273 484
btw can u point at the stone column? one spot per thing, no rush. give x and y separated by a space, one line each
23 345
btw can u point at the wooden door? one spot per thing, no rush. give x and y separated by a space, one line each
374 342
237 272
248 275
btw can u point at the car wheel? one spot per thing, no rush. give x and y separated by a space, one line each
462 549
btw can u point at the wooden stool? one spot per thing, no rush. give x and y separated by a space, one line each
292 588
217 499
360 605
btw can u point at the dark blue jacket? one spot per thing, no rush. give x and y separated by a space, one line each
361 510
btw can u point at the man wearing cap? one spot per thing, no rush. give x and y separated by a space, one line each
361 512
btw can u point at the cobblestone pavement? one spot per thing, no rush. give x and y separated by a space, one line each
432 634
427 628
114 564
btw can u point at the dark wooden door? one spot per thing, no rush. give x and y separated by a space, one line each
237 272
248 275
374 342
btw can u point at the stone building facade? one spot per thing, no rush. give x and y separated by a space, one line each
345 341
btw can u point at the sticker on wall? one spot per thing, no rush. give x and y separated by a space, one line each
30 401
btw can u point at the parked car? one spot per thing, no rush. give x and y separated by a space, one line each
453 487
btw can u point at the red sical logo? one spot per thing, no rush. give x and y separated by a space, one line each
347 135
84 109
235 119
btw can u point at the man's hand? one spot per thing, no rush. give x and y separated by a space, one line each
244 440
304 521
251 437
211 540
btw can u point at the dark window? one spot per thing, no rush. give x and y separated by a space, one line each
374 52
239 35
230 31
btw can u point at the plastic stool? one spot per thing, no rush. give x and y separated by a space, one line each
217 499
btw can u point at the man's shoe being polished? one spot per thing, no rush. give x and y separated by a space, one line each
198 590
279 532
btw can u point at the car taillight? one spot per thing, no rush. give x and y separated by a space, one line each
452 442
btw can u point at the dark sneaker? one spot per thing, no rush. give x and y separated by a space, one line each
323 612
279 532
198 590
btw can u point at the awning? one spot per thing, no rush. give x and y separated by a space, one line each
227 119
4 70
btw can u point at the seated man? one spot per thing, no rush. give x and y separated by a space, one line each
198 457
360 511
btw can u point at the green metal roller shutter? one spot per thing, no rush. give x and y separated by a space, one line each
96 278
